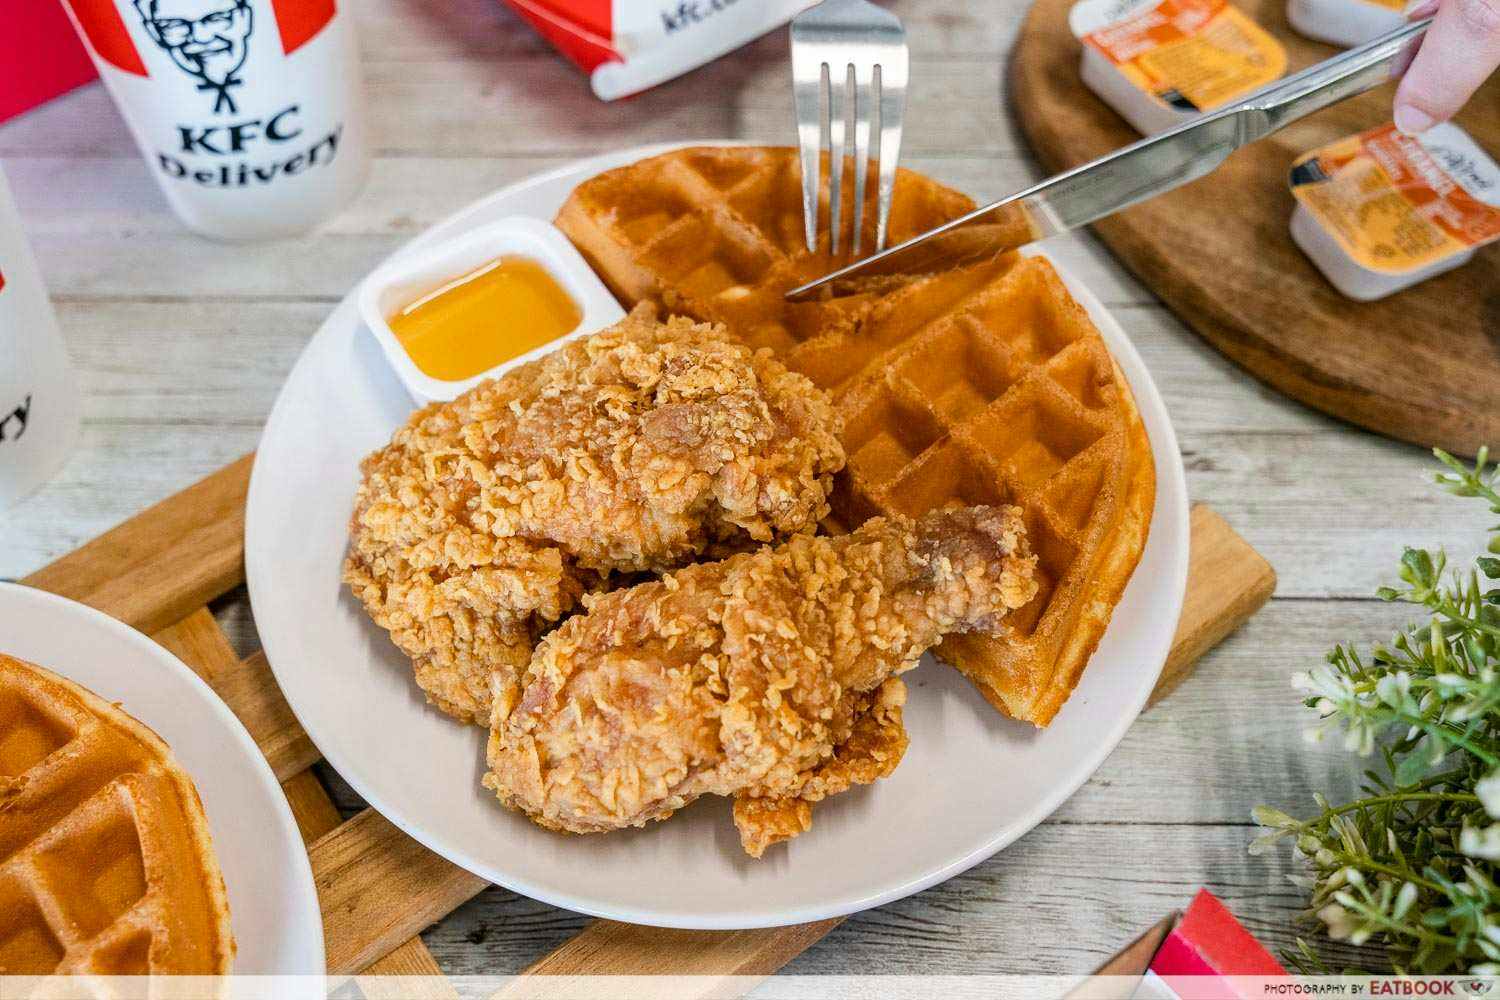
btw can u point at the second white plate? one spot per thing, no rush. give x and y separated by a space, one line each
273 907
971 783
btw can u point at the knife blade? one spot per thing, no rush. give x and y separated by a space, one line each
1131 175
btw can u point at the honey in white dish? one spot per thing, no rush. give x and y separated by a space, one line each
498 311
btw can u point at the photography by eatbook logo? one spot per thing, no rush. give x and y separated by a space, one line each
1477 987
206 39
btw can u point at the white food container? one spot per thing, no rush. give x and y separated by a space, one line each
1161 62
39 397
1345 22
402 281
1381 211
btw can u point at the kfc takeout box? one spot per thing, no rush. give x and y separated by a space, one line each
626 46
1201 954
40 55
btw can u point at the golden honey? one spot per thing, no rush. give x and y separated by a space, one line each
478 320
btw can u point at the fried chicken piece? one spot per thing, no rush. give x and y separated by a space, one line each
769 676
637 449
866 748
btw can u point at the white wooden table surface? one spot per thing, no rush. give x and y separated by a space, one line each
183 344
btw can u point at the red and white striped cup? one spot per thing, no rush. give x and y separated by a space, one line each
248 112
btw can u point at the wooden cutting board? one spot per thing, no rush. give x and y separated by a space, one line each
377 887
1422 366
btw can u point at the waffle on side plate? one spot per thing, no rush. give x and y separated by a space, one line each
106 866
987 384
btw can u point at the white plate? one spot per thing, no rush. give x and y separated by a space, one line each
273 907
971 783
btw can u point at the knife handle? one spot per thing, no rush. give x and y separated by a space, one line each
1331 81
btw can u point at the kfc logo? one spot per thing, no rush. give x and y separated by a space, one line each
207 39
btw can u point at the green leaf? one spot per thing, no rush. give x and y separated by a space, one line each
1411 769
1269 816
1416 567
1386 867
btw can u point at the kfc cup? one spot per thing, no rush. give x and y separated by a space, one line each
38 394
248 112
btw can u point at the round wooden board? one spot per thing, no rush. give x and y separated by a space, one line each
1422 365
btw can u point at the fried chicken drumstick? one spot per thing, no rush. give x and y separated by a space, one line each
639 448
769 676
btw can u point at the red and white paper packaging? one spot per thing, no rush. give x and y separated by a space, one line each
248 112
40 56
1209 956
627 46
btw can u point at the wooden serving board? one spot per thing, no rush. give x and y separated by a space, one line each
378 888
1422 365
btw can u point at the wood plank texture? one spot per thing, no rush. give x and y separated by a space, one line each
198 641
250 691
378 887
608 948
1420 366
313 810
1228 581
163 564
316 817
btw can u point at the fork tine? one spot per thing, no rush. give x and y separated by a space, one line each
863 93
855 51
807 89
838 91
892 98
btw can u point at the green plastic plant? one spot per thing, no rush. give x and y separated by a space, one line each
1412 865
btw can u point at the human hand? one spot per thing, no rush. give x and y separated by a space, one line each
1460 50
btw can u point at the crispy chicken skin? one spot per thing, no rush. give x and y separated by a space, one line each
769 676
485 519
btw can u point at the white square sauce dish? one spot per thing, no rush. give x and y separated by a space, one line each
445 281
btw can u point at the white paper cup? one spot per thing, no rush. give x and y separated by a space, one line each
38 393
249 112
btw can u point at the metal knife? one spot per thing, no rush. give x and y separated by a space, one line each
1131 175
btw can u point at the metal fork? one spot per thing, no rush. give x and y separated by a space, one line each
856 53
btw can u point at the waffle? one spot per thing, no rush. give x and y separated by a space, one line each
106 866
987 384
